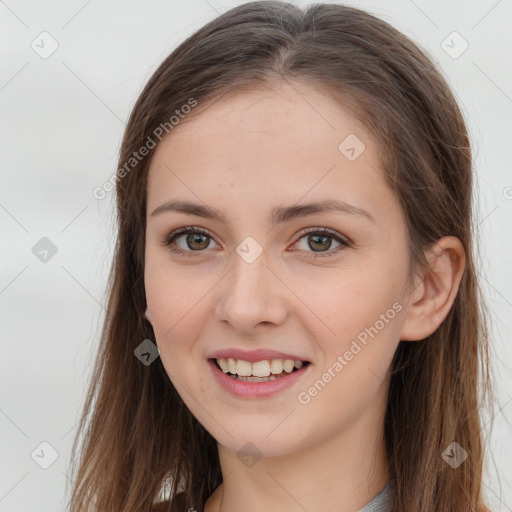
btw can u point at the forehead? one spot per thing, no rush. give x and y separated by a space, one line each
290 117
269 146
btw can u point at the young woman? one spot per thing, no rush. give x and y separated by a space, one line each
294 320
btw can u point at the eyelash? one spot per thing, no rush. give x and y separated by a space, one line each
344 243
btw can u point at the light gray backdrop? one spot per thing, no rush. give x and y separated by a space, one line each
70 73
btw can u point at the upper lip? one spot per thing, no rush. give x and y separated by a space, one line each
254 355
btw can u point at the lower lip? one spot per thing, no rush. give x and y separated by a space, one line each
246 389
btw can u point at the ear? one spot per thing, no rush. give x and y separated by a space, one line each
434 292
146 314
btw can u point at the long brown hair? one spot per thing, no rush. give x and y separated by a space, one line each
139 442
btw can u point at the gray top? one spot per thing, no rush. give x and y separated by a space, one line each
382 502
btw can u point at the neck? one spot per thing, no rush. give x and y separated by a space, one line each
343 472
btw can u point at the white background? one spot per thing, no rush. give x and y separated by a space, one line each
62 120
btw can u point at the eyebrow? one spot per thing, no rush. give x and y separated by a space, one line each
277 215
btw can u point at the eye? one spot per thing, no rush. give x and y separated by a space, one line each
321 239
196 240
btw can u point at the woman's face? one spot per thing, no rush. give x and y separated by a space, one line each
262 276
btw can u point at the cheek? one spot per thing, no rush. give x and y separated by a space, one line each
168 294
166 303
177 317
352 371
349 299
361 310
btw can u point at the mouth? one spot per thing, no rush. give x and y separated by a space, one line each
280 370
259 379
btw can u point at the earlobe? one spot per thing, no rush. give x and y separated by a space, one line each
146 314
433 296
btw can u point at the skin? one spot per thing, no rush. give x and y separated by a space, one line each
247 153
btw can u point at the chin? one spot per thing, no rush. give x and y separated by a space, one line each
257 444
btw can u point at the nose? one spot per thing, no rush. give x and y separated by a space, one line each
252 296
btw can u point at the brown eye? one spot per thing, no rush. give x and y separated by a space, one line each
319 241
196 240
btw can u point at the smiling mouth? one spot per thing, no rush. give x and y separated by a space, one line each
252 378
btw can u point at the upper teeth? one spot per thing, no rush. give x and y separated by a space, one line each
258 368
